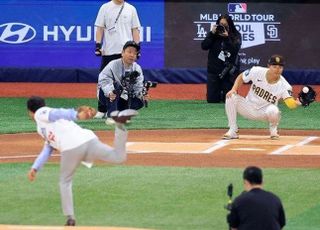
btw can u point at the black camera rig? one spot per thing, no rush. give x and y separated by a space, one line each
127 83
146 86
230 68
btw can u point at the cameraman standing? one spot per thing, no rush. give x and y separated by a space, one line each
256 208
223 43
120 83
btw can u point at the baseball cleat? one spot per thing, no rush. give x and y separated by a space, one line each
274 132
230 135
110 121
99 115
275 137
70 222
123 117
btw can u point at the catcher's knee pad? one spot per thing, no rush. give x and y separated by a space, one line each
273 114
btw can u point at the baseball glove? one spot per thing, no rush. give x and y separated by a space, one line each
307 96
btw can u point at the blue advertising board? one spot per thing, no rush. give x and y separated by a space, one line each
61 33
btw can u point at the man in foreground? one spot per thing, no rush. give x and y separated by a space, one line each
256 208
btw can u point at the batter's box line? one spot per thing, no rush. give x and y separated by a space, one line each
287 147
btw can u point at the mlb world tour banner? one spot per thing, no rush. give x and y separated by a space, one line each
42 33
266 29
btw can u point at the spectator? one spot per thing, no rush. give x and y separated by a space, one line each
256 208
223 43
117 22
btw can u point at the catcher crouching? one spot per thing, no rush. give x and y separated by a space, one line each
268 86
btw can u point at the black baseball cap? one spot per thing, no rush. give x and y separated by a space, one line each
133 44
276 60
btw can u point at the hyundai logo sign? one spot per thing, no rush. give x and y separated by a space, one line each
16 33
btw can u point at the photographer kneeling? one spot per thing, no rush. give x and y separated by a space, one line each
120 83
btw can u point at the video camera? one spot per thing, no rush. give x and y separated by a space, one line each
146 86
129 78
229 204
229 193
127 82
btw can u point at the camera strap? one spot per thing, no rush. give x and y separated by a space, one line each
117 18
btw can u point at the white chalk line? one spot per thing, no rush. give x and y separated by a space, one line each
214 147
287 147
24 156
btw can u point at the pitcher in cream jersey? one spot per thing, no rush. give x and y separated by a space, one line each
60 132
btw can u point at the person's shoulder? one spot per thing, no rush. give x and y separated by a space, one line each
253 69
242 197
42 112
285 83
114 63
127 4
260 68
104 6
136 65
271 195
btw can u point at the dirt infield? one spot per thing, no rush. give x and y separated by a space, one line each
195 148
192 148
88 90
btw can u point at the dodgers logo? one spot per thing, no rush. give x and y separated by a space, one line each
16 33
237 7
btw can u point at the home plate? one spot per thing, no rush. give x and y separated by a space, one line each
247 149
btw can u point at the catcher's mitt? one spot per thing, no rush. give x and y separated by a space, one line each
308 97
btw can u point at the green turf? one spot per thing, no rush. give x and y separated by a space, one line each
161 114
150 197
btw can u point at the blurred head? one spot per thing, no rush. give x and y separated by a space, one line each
275 64
226 21
130 52
34 103
276 59
252 176
118 2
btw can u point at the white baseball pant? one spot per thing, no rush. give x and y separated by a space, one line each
90 151
238 104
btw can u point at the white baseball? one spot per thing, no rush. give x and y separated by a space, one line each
305 89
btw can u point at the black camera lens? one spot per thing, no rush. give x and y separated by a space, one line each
220 29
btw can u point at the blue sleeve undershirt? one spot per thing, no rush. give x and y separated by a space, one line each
42 157
67 114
